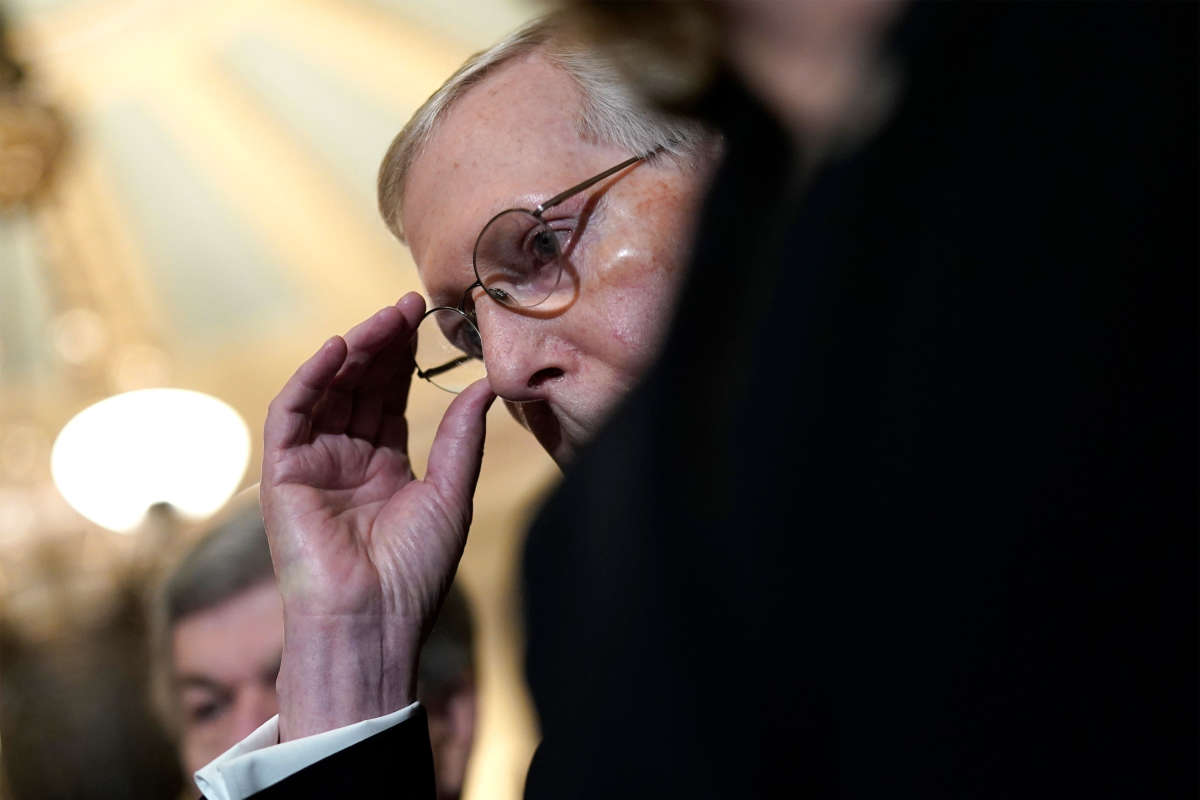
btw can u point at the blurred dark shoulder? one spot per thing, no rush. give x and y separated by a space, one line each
671 53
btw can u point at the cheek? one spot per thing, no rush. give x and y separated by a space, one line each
632 273
635 291
200 747
629 312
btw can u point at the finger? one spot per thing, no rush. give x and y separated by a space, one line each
412 305
393 429
373 392
374 332
457 450
393 432
394 358
366 414
290 413
332 413
365 340
336 411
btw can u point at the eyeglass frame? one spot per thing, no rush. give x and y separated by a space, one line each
536 212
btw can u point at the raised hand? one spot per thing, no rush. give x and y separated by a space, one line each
363 550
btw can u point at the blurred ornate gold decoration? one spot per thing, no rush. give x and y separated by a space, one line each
31 133
31 137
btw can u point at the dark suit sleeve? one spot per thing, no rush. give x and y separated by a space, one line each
396 762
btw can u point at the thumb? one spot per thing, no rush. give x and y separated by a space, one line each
457 451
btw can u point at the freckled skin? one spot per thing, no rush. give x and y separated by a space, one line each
510 142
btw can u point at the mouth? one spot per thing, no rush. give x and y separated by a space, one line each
539 419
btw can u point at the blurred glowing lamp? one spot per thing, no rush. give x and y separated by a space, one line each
117 458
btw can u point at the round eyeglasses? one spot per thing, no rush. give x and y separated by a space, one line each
518 262
447 348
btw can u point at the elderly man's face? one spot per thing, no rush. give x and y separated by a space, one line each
513 141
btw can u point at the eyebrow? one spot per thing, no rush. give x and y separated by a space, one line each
587 184
193 681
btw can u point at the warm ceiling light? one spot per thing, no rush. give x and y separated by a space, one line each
117 458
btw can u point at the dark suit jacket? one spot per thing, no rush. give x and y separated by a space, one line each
907 506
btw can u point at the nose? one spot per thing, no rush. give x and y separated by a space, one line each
525 359
253 706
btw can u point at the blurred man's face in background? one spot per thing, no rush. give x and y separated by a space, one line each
512 142
224 661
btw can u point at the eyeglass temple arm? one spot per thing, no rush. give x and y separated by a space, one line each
579 187
462 303
433 372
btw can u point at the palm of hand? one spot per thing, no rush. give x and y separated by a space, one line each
364 551
368 536
352 531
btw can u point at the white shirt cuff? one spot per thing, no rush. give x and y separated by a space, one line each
258 761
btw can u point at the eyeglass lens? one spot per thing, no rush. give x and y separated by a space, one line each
447 350
518 259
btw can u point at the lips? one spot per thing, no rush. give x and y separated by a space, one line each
539 419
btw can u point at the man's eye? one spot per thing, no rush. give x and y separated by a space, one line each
544 244
204 712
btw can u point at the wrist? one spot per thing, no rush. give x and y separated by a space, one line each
340 669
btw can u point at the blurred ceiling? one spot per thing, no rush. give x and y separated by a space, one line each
211 220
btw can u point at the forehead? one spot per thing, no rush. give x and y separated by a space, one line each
234 632
511 140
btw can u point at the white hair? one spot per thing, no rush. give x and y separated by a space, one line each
612 112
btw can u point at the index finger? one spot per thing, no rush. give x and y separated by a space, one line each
399 381
375 334
350 402
290 412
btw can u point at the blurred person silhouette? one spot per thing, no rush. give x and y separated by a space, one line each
75 719
218 631
907 503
